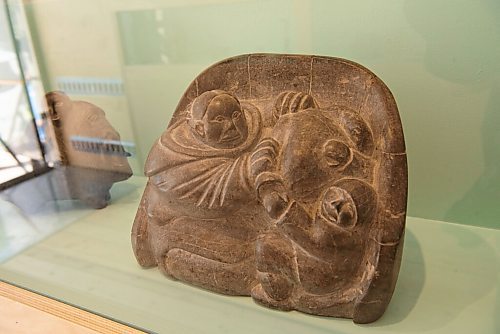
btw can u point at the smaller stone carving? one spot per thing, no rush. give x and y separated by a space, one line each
92 157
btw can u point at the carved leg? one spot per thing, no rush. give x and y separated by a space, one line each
204 253
227 278
276 271
161 244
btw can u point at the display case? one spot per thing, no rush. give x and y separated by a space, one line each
132 61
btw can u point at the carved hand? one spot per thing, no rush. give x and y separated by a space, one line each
274 202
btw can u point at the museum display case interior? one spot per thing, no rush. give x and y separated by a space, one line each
269 166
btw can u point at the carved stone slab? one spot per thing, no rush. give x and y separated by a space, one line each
282 177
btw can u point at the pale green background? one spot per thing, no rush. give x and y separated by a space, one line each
440 58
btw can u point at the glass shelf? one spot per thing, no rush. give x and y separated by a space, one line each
449 280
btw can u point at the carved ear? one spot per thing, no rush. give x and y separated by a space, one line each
199 128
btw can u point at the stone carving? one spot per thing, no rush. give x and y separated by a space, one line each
284 178
92 157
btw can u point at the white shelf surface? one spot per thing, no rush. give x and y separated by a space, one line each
449 280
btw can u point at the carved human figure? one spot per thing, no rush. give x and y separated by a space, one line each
201 210
316 198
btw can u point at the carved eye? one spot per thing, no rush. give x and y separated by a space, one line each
236 114
219 119
334 160
53 114
92 117
336 153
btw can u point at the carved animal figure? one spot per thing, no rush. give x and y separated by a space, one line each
282 177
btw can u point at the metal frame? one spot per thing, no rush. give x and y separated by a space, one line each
37 170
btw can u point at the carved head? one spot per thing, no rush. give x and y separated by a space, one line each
85 137
218 120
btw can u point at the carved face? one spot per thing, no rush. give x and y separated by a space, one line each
338 207
224 123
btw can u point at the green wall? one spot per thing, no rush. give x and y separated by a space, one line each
440 58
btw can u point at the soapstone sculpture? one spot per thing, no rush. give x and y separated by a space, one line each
92 156
284 178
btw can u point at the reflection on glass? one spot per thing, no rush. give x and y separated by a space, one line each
92 159
20 149
92 155
165 35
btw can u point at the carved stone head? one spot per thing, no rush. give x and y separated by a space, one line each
218 120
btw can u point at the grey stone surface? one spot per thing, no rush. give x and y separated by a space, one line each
282 177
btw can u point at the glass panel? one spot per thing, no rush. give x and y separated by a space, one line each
20 151
123 65
169 41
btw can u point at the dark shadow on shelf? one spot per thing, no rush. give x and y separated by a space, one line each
47 191
440 303
40 207
410 283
